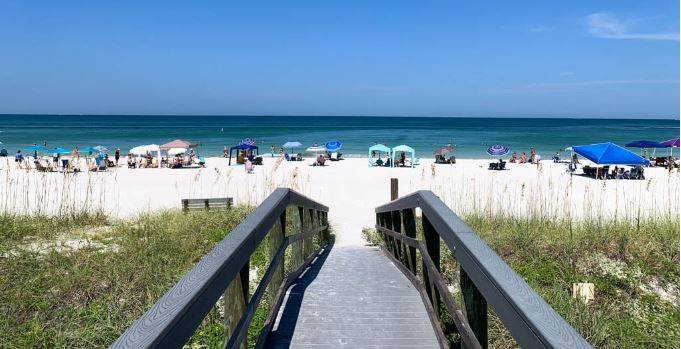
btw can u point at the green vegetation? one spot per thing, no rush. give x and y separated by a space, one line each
81 281
635 269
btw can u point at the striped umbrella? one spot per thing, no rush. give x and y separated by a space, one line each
247 141
333 145
497 150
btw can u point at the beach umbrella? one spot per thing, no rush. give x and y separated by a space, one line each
247 141
333 146
497 150
672 143
143 149
175 151
100 149
645 144
59 150
35 148
315 149
292 145
444 150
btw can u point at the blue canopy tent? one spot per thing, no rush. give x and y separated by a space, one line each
406 149
378 149
242 146
609 154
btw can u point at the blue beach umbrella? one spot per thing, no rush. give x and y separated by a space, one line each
100 149
645 144
292 144
59 150
35 148
333 145
497 150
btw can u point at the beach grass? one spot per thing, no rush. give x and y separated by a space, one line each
633 265
80 281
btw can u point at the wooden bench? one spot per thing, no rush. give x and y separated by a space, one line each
206 204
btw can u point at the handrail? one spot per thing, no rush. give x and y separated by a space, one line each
171 321
485 277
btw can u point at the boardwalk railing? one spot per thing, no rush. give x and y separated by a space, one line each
172 320
484 278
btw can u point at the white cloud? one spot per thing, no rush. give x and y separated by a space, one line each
603 82
540 29
606 26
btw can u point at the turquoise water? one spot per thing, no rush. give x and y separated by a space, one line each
471 136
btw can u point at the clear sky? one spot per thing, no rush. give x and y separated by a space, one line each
451 58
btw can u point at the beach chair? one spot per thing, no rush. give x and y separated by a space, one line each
493 166
334 157
502 165
40 167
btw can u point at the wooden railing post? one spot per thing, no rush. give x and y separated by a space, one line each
476 308
325 221
409 223
313 224
396 219
277 234
301 242
234 300
432 241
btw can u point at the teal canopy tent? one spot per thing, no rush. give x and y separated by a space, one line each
377 150
398 150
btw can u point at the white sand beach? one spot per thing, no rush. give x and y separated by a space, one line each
349 187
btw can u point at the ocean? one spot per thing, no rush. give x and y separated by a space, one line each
471 136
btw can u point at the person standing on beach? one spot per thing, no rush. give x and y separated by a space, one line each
224 152
532 155
272 150
117 155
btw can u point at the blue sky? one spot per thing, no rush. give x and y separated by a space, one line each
505 58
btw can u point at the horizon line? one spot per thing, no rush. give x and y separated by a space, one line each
673 117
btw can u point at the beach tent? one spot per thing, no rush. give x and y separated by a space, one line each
609 154
378 148
242 146
406 149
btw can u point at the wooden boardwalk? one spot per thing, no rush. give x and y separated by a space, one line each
353 297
